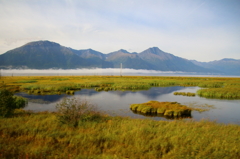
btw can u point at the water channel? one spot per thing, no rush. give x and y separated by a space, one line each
117 103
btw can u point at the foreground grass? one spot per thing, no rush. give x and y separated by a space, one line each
39 135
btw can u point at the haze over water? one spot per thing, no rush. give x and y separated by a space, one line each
100 71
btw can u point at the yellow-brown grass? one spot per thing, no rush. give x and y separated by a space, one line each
39 135
165 108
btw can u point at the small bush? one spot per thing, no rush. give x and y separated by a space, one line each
72 110
20 102
8 103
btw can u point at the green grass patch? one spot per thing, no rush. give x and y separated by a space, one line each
222 93
60 79
212 84
189 94
165 108
27 81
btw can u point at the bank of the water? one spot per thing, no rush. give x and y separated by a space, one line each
117 103
139 89
225 88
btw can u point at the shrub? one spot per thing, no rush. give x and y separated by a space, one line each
20 102
71 111
8 103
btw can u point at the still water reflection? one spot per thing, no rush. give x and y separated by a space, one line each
118 102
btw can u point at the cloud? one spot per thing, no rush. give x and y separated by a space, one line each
198 29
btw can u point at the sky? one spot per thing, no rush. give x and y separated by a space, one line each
202 30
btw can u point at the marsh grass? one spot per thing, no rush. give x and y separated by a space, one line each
39 135
211 84
165 108
27 81
60 79
189 94
56 84
222 93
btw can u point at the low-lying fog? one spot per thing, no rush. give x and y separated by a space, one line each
96 71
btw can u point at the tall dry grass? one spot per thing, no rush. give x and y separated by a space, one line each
39 135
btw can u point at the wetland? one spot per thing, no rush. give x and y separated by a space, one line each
211 130
219 97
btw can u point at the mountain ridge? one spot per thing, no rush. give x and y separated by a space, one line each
227 65
47 54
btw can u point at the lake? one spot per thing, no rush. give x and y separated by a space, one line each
117 103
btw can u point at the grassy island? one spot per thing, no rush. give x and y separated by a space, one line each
189 94
164 108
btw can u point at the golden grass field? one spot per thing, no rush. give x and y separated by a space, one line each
40 135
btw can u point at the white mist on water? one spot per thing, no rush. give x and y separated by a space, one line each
96 71
103 71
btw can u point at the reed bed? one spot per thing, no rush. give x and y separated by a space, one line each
212 84
189 94
223 93
56 84
164 108
38 135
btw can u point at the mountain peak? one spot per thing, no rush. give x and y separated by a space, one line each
154 49
122 50
42 43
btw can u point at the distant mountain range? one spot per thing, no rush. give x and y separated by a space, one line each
46 55
227 66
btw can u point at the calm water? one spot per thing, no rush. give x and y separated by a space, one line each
118 102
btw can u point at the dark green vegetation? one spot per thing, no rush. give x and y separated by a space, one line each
46 54
40 135
185 94
226 88
171 109
9 102
27 81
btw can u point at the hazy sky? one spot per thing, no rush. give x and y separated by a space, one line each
204 30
